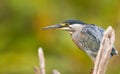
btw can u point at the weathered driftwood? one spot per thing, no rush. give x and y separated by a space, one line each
41 69
104 51
41 61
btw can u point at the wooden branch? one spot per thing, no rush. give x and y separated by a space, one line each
55 72
41 69
104 51
41 61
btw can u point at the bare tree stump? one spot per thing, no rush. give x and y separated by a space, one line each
104 51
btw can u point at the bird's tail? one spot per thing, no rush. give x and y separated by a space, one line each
114 52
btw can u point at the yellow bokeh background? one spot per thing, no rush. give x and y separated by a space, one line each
21 35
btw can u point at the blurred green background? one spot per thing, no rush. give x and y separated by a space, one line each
20 34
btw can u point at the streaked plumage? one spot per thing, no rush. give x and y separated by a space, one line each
88 39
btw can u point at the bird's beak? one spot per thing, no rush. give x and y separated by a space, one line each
58 26
52 27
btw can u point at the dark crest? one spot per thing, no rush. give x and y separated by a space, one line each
74 22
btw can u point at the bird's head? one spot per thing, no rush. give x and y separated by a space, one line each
69 25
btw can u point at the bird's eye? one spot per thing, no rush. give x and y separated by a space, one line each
66 24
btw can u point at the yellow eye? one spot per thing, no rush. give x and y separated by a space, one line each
65 24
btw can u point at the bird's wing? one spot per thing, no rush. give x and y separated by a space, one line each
92 36
95 31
